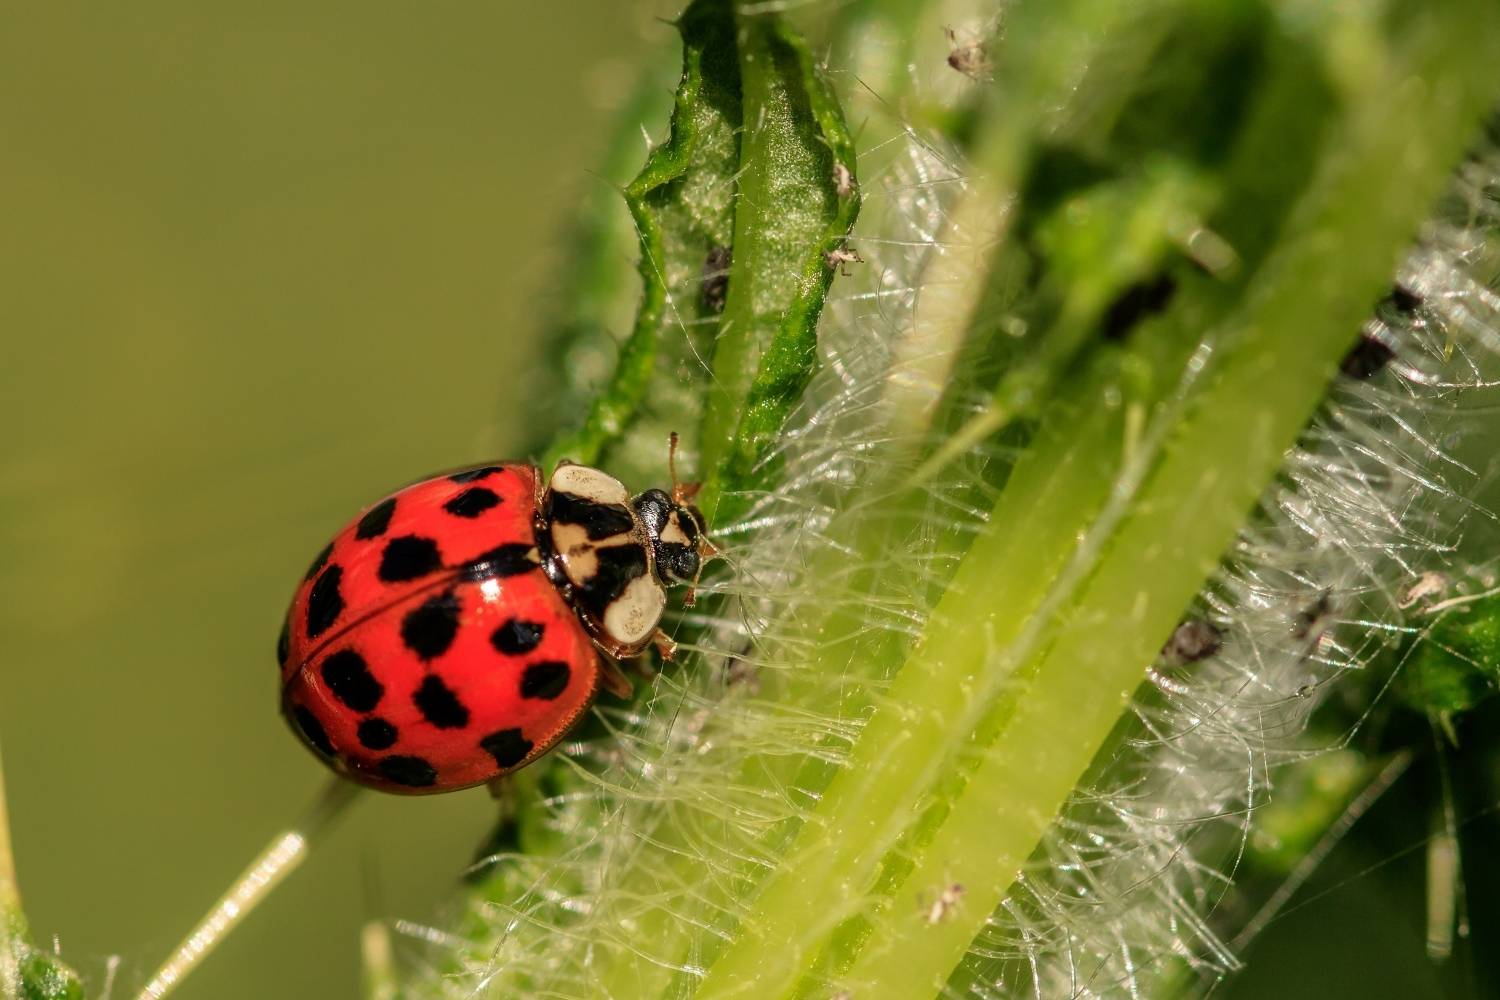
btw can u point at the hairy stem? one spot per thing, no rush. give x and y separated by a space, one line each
1144 560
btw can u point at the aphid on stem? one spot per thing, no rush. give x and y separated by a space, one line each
942 907
1194 640
842 257
843 180
970 57
715 288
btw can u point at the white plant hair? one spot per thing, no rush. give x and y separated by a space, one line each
1123 894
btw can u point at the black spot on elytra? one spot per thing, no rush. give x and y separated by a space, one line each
439 705
428 630
516 637
545 680
312 731
348 676
318 562
376 519
598 520
1142 299
407 557
324 602
507 746
284 642
1366 358
472 502
473 474
413 772
376 734
504 560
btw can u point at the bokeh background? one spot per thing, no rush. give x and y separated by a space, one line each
257 264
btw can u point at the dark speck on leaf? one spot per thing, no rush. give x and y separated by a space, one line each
1193 640
716 279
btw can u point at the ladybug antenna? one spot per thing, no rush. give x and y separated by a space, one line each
279 859
682 493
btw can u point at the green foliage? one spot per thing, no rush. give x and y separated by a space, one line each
1168 301
683 204
736 214
43 977
1132 324
1456 664
798 196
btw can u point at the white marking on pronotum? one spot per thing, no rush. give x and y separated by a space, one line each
590 484
672 533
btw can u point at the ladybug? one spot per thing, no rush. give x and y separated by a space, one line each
459 628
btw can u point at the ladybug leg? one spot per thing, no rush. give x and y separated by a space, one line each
706 550
664 645
502 790
612 678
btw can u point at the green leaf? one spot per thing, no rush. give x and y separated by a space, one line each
798 196
737 215
1456 663
683 204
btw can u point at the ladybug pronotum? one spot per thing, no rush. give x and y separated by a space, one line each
459 628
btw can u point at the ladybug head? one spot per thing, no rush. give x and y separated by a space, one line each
676 531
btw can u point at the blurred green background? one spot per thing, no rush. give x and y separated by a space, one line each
259 263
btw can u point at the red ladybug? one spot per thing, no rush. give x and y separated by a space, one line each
458 629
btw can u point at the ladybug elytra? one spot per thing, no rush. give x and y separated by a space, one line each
458 629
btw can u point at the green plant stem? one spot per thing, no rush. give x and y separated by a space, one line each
846 645
377 963
1052 51
1372 188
